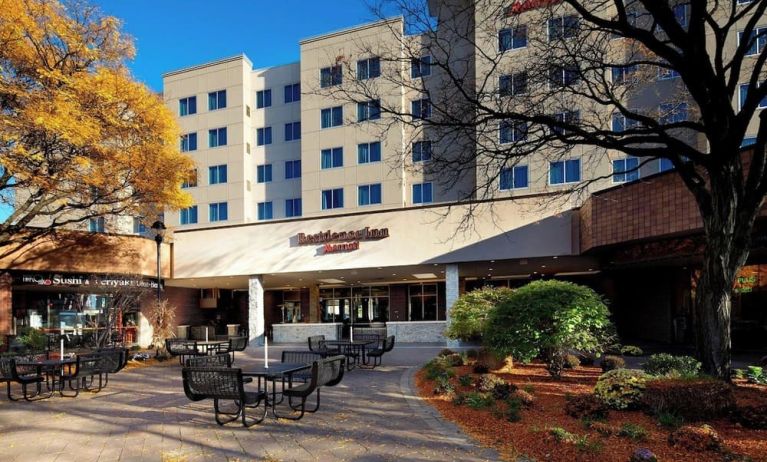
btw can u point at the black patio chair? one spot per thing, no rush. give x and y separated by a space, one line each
82 375
236 344
317 344
10 372
325 372
221 360
183 349
113 360
377 353
223 384
301 357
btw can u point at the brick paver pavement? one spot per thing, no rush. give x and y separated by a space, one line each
143 415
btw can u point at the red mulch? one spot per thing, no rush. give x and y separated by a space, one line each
530 435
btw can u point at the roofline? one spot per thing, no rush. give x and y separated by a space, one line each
241 56
352 29
266 68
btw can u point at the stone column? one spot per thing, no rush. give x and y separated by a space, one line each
6 307
256 324
452 292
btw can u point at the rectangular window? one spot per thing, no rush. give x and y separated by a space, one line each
218 212
369 152
189 142
672 113
510 39
563 75
332 199
664 73
514 178
665 164
424 302
293 131
512 131
216 100
332 117
563 27
621 123
217 137
682 14
421 151
331 158
190 182
622 74
265 211
756 41
97 225
368 68
293 207
138 225
189 215
369 194
565 171
420 108
625 170
420 67
331 76
217 174
513 84
369 110
292 169
292 93
264 173
743 94
263 99
422 193
263 136
187 106
566 117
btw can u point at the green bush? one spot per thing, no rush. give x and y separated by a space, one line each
438 367
470 312
443 386
547 317
453 360
572 361
631 350
621 388
611 362
513 409
32 339
479 400
670 420
691 399
487 382
585 406
465 380
755 374
562 435
445 352
633 431
666 365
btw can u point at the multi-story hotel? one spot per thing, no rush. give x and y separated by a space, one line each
312 210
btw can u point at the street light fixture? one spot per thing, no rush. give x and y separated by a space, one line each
159 233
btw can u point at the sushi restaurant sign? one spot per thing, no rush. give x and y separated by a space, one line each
342 241
75 280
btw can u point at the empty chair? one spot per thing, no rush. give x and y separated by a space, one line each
221 360
301 357
10 372
317 344
325 372
377 353
113 360
237 344
183 349
223 384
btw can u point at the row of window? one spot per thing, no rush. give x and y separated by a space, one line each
370 68
188 105
291 94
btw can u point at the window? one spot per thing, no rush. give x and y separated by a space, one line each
564 27
756 41
265 211
744 94
369 110
292 93
565 171
97 225
744 2
622 74
293 207
332 199
510 39
566 117
332 117
423 300
514 178
218 212
369 152
189 215
330 76
621 123
512 131
625 170
512 85
421 151
422 193
331 158
682 14
292 169
263 99
138 225
420 108
561 76
264 173
672 113
369 194
190 182
187 106
664 73
420 67
217 137
217 174
216 100
665 165
293 131
189 142
748 141
263 136
368 68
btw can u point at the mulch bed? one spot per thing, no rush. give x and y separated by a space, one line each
530 436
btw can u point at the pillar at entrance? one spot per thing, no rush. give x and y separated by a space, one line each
452 292
256 324
6 307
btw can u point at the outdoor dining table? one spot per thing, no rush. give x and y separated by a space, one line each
349 348
50 367
271 374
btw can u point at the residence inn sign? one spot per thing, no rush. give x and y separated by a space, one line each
344 241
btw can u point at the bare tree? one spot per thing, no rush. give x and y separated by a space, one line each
541 80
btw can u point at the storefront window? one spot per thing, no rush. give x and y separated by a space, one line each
423 302
359 305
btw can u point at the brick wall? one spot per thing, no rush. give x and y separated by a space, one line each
6 306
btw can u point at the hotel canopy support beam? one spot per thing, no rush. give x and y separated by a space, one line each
256 324
452 292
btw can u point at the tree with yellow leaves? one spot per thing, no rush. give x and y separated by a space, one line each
79 138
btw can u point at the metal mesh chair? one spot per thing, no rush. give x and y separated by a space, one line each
301 357
318 345
10 372
223 384
183 349
377 353
113 360
325 372
216 361
237 344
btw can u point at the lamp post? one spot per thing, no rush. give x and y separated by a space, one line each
159 233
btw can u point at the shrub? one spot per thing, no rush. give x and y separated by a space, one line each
472 354
670 420
611 362
446 352
454 360
438 367
613 349
603 428
752 416
487 382
480 368
585 406
513 409
691 399
502 390
664 364
631 350
621 388
544 317
524 397
692 438
643 455
465 380
32 339
530 388
469 314
459 399
478 400
633 431
572 361
586 358
443 386
755 374
562 435
738 374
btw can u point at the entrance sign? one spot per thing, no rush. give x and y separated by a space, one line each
78 280
343 241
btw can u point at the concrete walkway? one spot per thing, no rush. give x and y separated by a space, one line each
144 415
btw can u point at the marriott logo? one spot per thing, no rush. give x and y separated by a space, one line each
364 234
